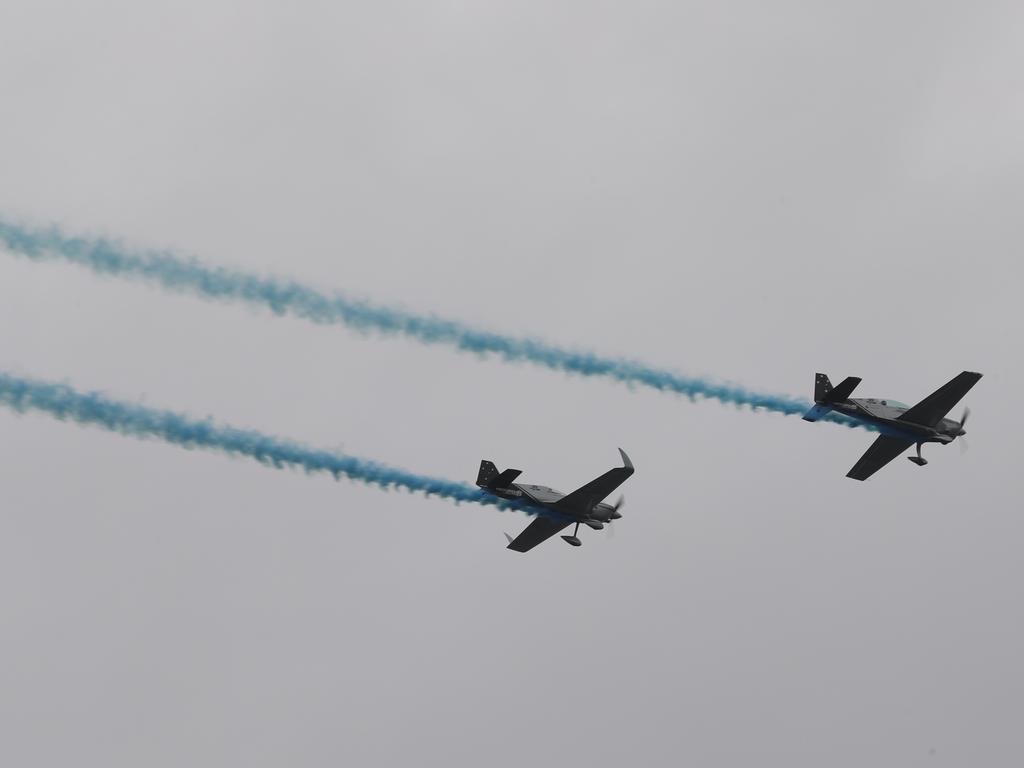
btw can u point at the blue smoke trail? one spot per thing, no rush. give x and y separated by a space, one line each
281 296
67 404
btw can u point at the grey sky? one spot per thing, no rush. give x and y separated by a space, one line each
748 190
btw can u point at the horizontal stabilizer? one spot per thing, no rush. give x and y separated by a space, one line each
844 389
817 412
505 479
825 393
489 477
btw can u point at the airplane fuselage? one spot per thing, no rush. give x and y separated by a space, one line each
885 414
543 500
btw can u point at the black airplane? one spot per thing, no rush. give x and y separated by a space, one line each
901 426
554 509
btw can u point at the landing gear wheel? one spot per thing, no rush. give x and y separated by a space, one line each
574 540
918 459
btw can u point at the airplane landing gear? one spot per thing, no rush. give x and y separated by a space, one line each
574 540
918 459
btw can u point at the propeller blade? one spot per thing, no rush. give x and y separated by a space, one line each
963 419
618 504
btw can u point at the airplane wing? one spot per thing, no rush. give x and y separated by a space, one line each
881 452
541 529
594 492
933 408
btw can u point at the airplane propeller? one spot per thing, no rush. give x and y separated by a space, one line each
614 516
963 420
615 507
962 431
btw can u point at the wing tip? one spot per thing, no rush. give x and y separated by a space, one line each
625 459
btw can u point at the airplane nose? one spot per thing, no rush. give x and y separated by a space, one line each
616 514
963 422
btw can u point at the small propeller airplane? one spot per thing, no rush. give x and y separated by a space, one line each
554 509
901 426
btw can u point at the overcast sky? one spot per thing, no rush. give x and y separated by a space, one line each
752 191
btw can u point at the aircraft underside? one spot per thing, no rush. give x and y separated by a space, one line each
900 426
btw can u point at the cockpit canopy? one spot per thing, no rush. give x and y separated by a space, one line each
887 409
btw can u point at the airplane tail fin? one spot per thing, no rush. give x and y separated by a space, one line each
487 474
825 394
822 388
489 477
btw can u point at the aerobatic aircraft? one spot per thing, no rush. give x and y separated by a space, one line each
901 426
554 509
